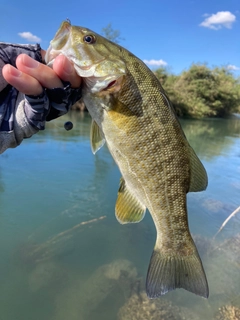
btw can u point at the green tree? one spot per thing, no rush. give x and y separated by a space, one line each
202 92
111 34
162 75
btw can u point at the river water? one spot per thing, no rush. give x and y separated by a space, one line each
64 256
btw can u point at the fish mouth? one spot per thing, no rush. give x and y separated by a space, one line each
49 57
58 43
62 36
84 66
83 69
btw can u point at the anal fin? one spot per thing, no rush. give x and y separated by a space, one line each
128 208
96 137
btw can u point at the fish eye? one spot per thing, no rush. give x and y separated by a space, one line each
90 39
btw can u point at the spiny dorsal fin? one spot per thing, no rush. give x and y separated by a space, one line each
96 137
128 208
199 179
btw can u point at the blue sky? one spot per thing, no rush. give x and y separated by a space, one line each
175 33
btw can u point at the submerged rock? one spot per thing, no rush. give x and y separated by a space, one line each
231 248
80 299
223 269
47 274
228 312
204 244
140 307
118 269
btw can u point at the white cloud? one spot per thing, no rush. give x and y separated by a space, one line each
158 63
218 20
232 67
29 36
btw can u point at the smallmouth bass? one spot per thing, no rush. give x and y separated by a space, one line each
133 115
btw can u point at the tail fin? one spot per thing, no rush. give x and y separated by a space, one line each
166 273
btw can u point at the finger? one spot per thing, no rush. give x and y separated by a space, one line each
65 70
42 73
21 81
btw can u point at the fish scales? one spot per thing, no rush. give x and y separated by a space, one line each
132 113
160 153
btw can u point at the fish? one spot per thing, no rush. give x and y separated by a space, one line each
133 115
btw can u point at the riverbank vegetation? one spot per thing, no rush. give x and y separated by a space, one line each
201 91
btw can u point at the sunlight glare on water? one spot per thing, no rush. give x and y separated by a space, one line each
60 261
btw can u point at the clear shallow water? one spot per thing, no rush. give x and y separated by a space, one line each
50 270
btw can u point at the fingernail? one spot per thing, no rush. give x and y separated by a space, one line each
14 72
29 62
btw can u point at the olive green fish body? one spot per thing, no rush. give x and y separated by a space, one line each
132 113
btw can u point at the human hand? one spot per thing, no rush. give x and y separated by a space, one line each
36 93
31 76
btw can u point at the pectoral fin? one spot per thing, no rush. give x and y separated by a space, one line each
96 137
128 208
199 179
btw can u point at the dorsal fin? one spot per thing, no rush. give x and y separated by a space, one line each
96 137
128 208
199 179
